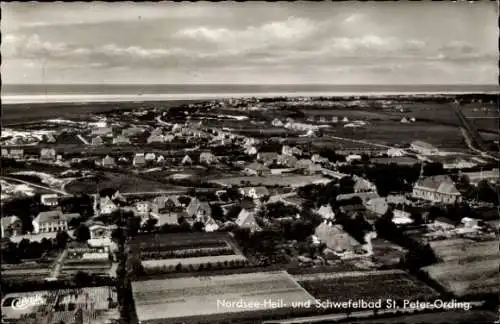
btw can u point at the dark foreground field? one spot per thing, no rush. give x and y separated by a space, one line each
25 113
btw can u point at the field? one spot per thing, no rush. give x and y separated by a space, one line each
463 249
452 316
23 271
273 180
95 262
120 181
366 285
23 113
165 252
170 299
464 278
56 306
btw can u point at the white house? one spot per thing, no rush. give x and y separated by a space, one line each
52 221
423 148
396 152
439 189
254 192
326 212
49 199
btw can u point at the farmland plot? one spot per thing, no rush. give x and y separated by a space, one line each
205 296
372 285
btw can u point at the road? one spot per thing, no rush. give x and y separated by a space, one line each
359 141
473 138
58 265
61 192
168 192
84 141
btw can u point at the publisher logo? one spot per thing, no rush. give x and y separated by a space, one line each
25 302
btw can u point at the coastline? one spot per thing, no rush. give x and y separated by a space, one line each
108 98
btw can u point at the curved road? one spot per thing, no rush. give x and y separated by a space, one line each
61 192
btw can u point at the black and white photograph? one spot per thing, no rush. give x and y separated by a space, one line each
252 162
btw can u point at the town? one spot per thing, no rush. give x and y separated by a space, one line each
155 213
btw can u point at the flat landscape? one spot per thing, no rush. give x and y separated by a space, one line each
368 285
120 181
183 297
273 180
467 278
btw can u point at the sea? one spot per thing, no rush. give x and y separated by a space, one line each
53 93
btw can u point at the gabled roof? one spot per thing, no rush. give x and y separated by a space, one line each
55 216
246 219
195 206
326 211
257 166
440 183
9 220
335 237
261 191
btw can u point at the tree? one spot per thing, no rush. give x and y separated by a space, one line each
184 200
82 233
198 227
62 238
217 213
150 224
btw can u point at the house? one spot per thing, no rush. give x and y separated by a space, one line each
335 119
5 152
100 231
277 123
52 221
11 226
246 219
168 138
363 185
48 154
160 159
254 192
107 206
186 160
326 212
335 238
267 158
142 207
108 162
378 206
469 222
132 131
288 150
211 225
139 160
303 164
353 157
97 141
169 203
49 199
423 148
316 158
150 157
440 189
394 151
207 158
251 150
289 161
443 223
156 139
17 154
457 163
257 169
102 131
121 140
404 120
401 217
198 209
345 120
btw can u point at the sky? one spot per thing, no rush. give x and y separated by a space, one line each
250 43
